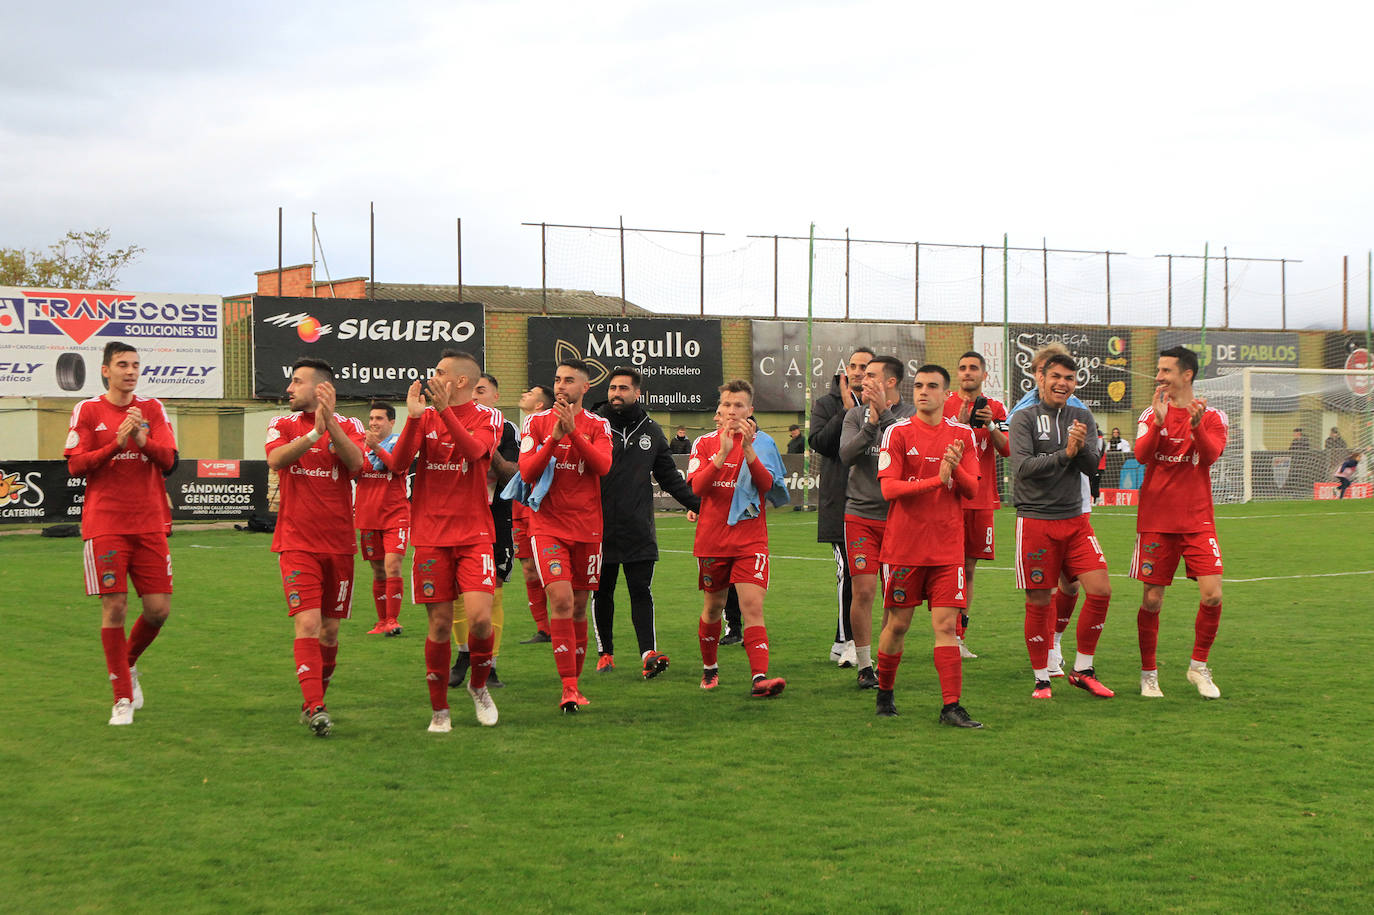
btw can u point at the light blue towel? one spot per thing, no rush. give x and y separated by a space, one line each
388 445
1033 397
519 491
745 503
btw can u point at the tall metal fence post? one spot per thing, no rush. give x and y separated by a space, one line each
917 314
544 267
622 266
775 276
1045 273
1225 286
701 280
1169 320
1109 289
982 283
846 274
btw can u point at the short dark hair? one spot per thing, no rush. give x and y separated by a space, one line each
546 392
1061 359
931 368
576 365
863 349
974 354
1187 359
794 428
319 365
635 375
492 378
385 407
894 369
738 386
114 348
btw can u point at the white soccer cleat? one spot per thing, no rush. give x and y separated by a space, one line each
1201 677
138 690
1056 663
440 723
964 652
836 651
1149 685
485 708
849 657
122 713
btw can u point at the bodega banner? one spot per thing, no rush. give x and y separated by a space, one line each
1103 357
780 370
377 348
679 357
52 341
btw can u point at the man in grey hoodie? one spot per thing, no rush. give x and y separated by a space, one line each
1052 443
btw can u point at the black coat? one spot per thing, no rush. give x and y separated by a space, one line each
827 422
638 449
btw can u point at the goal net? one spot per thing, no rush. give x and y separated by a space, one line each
1291 429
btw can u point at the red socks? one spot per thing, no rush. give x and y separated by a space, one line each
887 669
708 636
539 603
756 646
438 655
580 631
1039 633
1063 609
1205 630
951 672
480 658
1090 622
117 661
308 664
1147 631
379 597
329 655
395 591
141 636
564 649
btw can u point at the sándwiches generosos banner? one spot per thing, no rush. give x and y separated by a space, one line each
52 341
43 492
376 347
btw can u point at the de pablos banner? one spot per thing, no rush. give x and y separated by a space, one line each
1103 357
680 358
52 341
781 372
376 347
1227 352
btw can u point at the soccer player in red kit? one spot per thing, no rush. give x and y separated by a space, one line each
732 554
122 444
1177 440
988 422
451 524
535 400
315 452
565 528
926 467
382 516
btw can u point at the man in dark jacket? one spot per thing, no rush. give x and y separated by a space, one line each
680 443
638 448
827 422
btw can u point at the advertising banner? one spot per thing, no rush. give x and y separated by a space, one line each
780 370
1229 351
52 341
1103 357
990 342
377 348
40 492
1351 394
679 357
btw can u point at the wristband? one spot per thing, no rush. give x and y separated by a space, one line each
313 436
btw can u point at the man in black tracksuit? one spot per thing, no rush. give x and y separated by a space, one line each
638 448
827 422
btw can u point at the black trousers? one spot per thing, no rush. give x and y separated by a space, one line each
639 579
844 593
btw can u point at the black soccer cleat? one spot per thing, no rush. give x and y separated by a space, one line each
539 638
868 679
493 681
955 716
460 669
732 637
886 707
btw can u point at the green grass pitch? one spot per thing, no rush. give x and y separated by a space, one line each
659 797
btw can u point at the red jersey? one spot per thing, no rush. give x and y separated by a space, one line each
316 492
1176 496
987 451
925 528
379 501
571 510
125 492
450 495
714 536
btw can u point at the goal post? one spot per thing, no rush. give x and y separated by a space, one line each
1294 427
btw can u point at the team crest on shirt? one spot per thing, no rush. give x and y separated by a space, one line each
1037 576
1147 568
107 580
899 595
645 443
693 464
527 444
294 599
884 460
73 439
555 567
427 588
861 561
706 580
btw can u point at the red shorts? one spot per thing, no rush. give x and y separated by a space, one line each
110 558
1156 556
520 533
978 539
716 573
441 573
1044 549
317 581
911 586
377 544
863 541
562 560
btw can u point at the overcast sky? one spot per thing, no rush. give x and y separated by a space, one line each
1144 128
